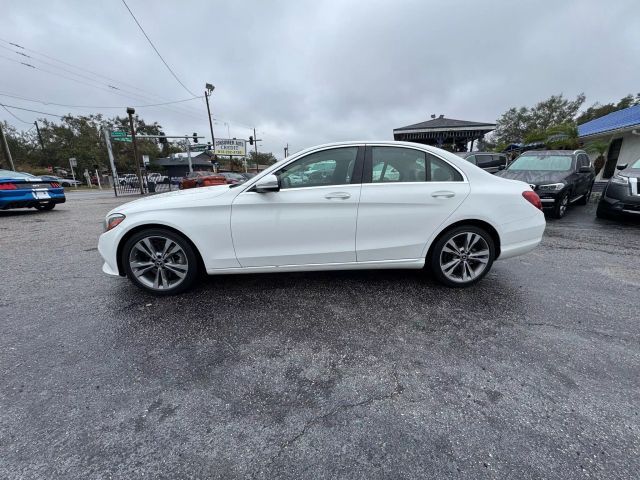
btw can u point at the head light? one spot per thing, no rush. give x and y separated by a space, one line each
551 187
113 221
620 180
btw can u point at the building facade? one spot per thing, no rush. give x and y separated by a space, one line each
621 130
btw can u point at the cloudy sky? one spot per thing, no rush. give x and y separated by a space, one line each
307 72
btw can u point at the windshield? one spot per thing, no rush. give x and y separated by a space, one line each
554 163
636 164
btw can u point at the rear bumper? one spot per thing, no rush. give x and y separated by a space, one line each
24 198
521 236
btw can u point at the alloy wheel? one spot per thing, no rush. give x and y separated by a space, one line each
564 203
464 257
158 262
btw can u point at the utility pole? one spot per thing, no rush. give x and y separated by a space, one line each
5 148
207 94
114 173
186 139
131 111
39 135
255 145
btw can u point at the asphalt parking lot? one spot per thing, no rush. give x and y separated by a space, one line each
533 373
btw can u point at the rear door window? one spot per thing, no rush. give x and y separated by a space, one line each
396 164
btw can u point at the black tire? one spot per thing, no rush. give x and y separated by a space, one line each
601 212
563 201
585 198
45 206
440 255
142 281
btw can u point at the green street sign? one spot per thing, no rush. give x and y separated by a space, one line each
118 133
122 139
198 148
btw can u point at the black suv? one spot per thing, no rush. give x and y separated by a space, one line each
621 196
489 161
559 177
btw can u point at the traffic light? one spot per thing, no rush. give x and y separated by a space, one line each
250 139
195 137
162 139
209 146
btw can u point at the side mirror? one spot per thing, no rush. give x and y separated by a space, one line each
622 167
584 169
266 184
502 167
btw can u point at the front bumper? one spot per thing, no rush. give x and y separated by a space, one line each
616 201
108 249
549 199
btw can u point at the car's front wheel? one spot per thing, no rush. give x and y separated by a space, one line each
160 261
462 256
561 205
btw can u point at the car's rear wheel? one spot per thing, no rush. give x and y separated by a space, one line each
462 256
560 208
160 261
45 206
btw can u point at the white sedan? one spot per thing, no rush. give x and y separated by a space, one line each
341 206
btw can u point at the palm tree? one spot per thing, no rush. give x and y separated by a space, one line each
562 137
600 147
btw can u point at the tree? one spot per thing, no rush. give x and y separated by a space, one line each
261 158
597 110
80 137
600 147
518 123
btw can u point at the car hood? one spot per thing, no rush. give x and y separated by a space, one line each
179 198
630 172
534 177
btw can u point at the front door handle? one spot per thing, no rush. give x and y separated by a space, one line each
443 194
342 195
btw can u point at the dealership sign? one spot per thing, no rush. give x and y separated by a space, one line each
225 146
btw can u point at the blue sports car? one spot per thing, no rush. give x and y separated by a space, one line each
21 190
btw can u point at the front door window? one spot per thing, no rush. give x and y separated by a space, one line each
328 167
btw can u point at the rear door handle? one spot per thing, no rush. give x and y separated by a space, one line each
342 195
443 194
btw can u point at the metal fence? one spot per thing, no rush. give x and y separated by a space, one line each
129 184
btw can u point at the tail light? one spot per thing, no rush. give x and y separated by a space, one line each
8 186
532 198
55 185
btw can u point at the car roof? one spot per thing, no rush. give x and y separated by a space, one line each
466 154
553 152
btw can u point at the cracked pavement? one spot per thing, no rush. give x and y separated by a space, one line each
533 373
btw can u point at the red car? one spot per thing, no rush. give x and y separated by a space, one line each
201 179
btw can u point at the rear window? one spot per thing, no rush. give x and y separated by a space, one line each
12 174
553 163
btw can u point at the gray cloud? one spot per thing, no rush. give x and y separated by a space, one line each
311 72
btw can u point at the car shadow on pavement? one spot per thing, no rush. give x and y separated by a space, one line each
329 309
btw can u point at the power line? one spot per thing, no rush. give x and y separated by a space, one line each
29 110
113 90
110 84
13 115
18 97
77 67
156 50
